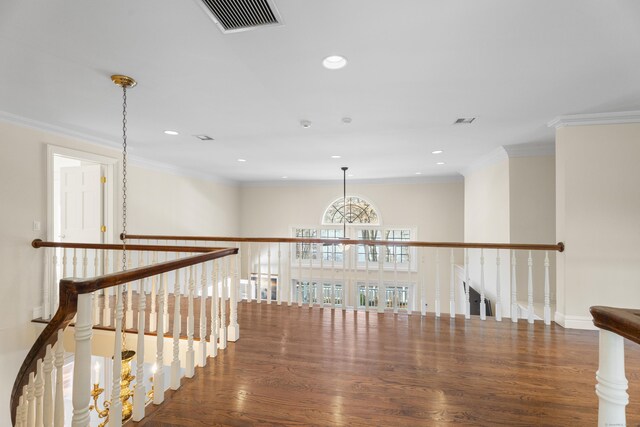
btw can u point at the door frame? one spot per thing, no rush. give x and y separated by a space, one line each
111 166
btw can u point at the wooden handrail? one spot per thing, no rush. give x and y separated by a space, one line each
71 288
559 247
621 321
38 243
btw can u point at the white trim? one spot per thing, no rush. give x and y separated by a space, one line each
366 224
37 313
177 170
575 322
596 119
439 179
536 149
494 157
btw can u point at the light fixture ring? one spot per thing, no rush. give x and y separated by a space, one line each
123 81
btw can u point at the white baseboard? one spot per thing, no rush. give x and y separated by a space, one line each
37 313
575 322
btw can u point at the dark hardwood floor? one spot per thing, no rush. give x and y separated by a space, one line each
301 366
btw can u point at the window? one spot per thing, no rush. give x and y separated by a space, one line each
332 252
391 254
306 250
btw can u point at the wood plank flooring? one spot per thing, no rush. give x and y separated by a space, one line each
303 367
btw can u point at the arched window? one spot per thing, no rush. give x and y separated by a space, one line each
355 210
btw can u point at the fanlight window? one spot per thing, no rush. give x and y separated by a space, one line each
354 210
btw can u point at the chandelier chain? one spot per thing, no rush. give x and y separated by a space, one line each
124 203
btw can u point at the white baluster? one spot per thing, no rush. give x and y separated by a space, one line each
233 330
547 302
483 307
310 287
223 305
153 316
115 411
20 412
452 287
611 387
498 296
382 291
96 295
249 281
320 285
82 363
437 305
31 404
395 282
215 325
531 313
64 263
411 302
39 392
158 376
299 286
258 281
106 310
48 284
47 412
58 412
268 273
74 263
139 392
175 363
129 314
367 250
54 284
467 281
85 263
165 305
279 285
190 363
514 286
202 345
288 281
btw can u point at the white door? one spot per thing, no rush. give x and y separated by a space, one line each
81 202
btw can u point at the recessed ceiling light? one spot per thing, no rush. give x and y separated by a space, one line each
437 152
418 173
440 163
171 132
336 157
242 160
346 120
334 62
204 137
285 177
350 175
305 124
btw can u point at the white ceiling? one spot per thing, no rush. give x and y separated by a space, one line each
414 67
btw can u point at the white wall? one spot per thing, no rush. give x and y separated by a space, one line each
155 195
598 217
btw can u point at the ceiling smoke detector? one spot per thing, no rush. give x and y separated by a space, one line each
464 121
232 16
204 137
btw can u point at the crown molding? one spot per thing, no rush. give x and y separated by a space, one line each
494 157
440 179
104 142
536 149
616 118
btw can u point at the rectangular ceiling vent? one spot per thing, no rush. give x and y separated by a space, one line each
464 121
232 16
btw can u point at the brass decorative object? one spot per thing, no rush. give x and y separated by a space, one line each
123 81
125 392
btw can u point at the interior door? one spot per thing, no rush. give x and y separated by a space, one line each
81 202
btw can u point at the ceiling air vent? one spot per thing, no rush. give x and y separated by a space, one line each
241 15
464 121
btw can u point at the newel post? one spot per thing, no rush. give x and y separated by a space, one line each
82 363
611 382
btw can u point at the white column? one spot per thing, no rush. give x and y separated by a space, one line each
82 363
47 412
223 304
531 313
58 412
213 337
202 345
611 387
158 377
498 296
115 411
233 330
452 287
547 302
190 362
483 308
139 392
175 363
514 286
